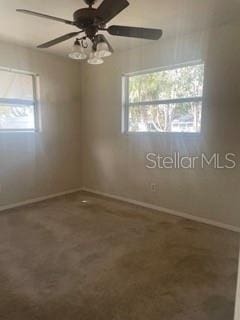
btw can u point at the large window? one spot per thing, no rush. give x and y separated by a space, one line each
168 100
18 102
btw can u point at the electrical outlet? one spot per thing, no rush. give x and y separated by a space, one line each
154 187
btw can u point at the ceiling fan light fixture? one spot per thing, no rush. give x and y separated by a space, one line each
93 59
103 50
78 52
90 21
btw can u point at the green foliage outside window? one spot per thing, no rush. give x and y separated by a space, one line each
180 83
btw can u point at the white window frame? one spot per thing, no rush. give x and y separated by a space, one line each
126 104
22 102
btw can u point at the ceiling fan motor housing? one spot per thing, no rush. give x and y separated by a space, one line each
83 18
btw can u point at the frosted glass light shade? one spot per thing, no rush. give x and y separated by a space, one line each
93 59
103 50
77 53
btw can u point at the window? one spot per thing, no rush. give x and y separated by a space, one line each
18 103
168 100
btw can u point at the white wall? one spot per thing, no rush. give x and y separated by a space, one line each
114 163
38 164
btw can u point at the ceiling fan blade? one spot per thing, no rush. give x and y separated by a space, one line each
110 8
41 15
132 32
58 40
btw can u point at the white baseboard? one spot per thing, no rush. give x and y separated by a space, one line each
31 201
166 210
139 203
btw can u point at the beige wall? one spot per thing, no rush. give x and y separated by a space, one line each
81 129
114 163
34 165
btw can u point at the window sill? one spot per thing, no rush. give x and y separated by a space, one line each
19 131
179 134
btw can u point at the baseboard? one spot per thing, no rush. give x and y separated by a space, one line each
139 203
35 200
166 210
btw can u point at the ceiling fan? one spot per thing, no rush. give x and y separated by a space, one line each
90 21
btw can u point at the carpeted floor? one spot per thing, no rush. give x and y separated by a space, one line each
65 259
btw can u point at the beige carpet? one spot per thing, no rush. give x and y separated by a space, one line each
105 260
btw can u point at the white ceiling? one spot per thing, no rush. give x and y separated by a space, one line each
173 16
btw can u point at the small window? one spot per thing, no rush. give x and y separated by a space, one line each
18 102
168 100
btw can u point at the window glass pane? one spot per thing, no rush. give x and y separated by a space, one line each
16 85
183 82
18 118
180 117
